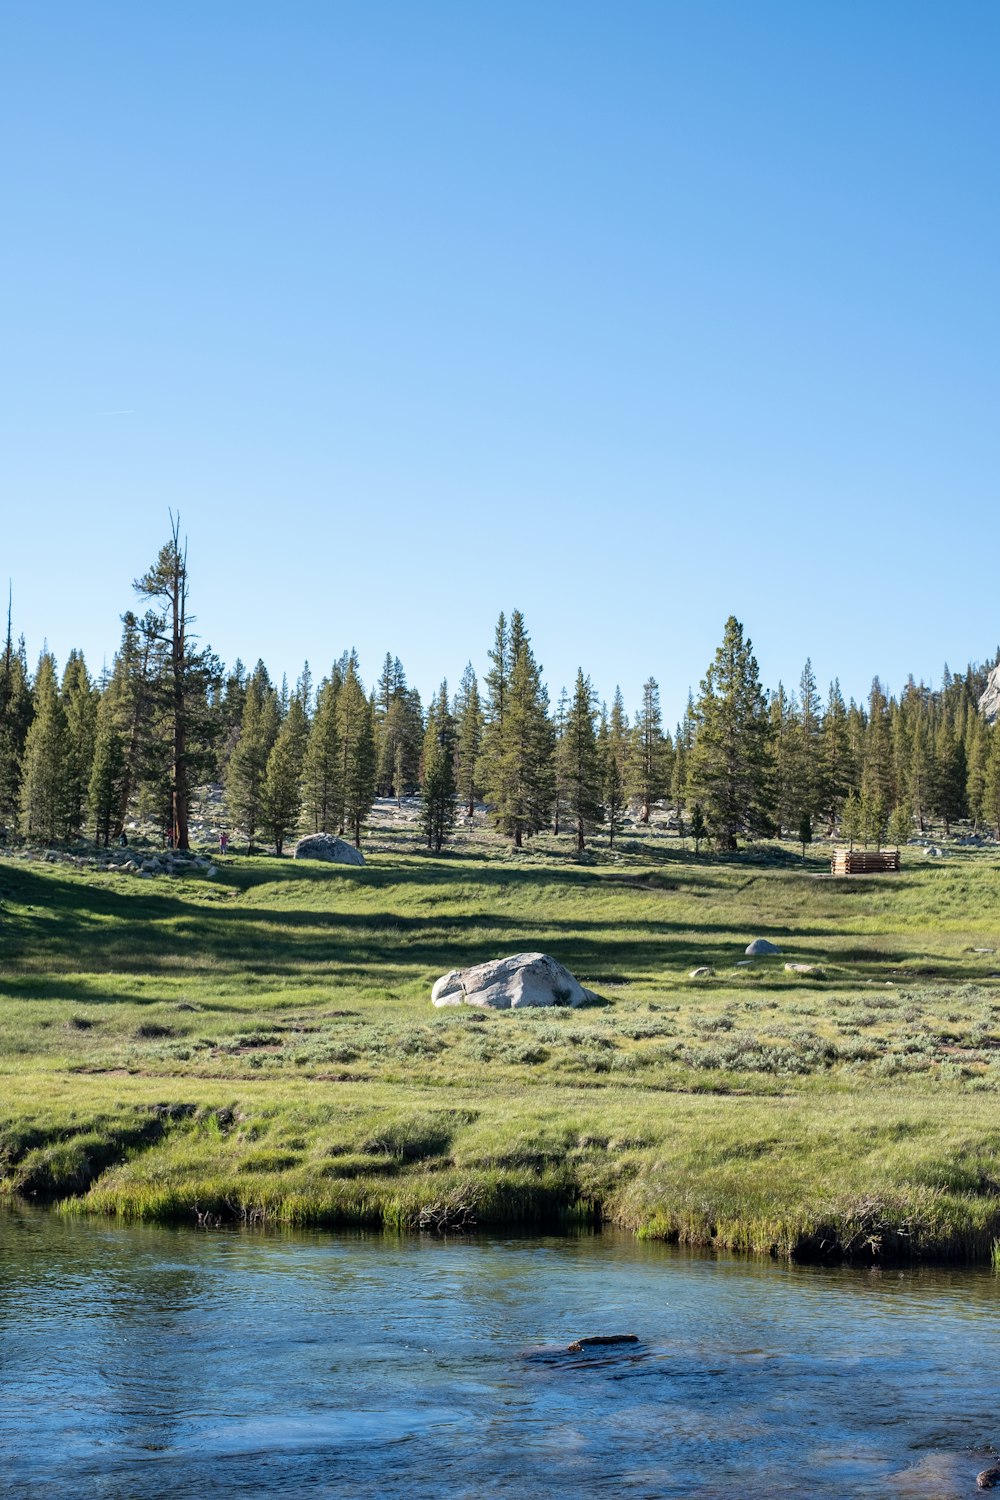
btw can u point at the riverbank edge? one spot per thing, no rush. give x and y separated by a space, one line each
100 1175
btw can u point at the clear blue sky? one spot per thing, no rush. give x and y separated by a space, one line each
629 315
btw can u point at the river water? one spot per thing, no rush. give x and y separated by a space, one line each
138 1362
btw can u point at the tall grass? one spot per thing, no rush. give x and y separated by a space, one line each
262 1049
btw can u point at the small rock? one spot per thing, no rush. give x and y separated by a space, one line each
702 973
211 871
989 1478
800 968
759 947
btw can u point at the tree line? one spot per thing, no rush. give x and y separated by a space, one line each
79 756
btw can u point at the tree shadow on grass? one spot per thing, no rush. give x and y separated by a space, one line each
82 928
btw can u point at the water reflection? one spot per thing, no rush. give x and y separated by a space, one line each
140 1362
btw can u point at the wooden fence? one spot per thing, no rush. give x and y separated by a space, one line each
865 862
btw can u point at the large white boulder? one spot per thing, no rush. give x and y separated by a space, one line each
989 703
327 846
508 983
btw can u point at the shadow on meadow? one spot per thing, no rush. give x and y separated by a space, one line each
259 921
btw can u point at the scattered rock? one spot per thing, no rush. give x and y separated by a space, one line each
702 973
328 847
759 947
934 852
800 968
523 979
989 1478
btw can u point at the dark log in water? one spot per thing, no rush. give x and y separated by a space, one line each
597 1339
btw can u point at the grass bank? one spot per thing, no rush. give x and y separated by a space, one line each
260 1046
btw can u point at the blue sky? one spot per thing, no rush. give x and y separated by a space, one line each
631 316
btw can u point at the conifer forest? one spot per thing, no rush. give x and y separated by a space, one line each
82 753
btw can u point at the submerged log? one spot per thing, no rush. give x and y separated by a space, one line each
597 1339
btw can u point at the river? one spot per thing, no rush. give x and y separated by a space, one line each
143 1362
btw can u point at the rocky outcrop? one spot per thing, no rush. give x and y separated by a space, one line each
326 846
523 979
989 703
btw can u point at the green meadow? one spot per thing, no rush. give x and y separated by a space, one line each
259 1047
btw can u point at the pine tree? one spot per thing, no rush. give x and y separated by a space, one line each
322 792
281 795
518 736
975 756
949 776
614 753
648 770
682 752
900 822
167 582
836 776
44 799
873 811
16 710
230 714
469 716
107 787
304 691
877 789
699 829
248 762
79 699
438 806
134 699
495 708
991 781
919 778
356 736
581 766
808 774
729 766
851 822
805 832
560 755
785 759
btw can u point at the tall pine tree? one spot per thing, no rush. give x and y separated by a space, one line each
729 765
580 763
438 788
44 793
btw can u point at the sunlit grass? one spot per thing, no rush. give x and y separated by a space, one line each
261 1046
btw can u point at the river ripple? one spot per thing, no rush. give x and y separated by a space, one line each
139 1362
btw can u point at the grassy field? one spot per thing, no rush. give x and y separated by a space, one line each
260 1046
